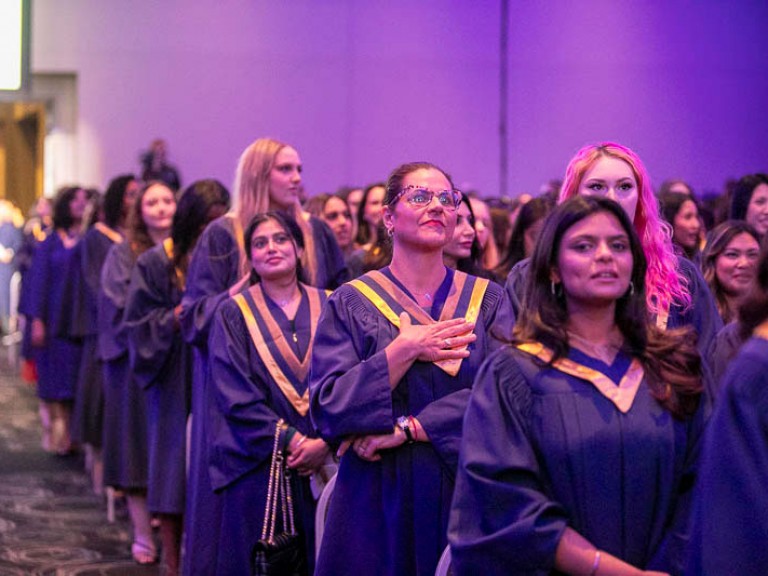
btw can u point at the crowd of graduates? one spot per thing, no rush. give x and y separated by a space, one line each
551 384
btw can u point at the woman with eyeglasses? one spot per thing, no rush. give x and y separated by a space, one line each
393 362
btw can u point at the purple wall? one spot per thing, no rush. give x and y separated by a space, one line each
359 87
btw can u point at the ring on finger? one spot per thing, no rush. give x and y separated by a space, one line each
447 343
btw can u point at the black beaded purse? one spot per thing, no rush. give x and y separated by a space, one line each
282 554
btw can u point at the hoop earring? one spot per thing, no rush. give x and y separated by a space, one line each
553 288
391 231
631 288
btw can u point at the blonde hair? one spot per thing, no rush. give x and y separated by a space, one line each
251 189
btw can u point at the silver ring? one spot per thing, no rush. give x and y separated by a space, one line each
447 343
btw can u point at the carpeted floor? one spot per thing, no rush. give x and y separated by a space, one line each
51 523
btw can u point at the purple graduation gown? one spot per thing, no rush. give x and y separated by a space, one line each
125 418
214 268
161 364
730 522
390 517
58 360
544 449
245 404
88 414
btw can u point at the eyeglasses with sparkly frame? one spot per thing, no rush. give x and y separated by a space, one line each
420 197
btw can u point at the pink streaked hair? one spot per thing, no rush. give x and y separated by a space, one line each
663 284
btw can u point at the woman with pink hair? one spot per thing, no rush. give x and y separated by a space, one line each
676 294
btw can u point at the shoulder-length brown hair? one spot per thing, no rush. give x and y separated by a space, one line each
671 362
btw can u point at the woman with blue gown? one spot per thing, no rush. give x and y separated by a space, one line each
394 358
581 437
268 177
57 354
89 257
125 420
730 520
676 294
160 359
260 347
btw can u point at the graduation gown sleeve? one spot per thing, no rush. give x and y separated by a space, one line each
149 315
213 269
332 270
730 524
500 503
115 279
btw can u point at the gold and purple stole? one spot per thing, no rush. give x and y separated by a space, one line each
622 395
287 371
761 331
110 233
464 299
168 247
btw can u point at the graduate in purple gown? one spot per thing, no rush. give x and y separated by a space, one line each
125 419
394 358
581 438
57 355
730 522
161 360
91 252
676 293
259 353
268 177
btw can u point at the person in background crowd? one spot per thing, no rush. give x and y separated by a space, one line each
11 241
676 186
463 251
352 196
525 233
485 235
369 216
125 420
730 520
267 179
334 211
580 440
749 202
681 211
161 361
156 167
88 260
249 394
676 294
57 355
394 357
729 265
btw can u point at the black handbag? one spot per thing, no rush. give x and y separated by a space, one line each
282 554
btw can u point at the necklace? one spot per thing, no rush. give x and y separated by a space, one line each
284 303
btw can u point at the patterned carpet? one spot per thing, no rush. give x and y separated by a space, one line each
51 523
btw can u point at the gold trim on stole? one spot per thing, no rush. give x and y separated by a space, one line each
168 247
299 369
761 331
110 233
450 366
622 395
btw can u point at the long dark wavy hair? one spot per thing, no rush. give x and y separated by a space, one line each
62 214
670 359
193 212
113 199
287 223
531 212
754 310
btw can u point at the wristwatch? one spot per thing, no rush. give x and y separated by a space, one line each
404 424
